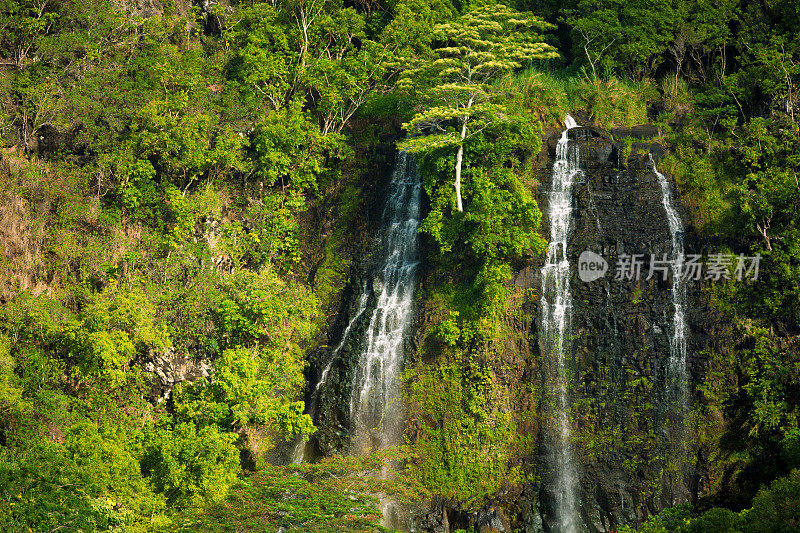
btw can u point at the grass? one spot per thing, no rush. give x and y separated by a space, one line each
549 95
339 494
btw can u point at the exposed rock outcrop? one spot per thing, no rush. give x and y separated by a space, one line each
620 348
642 131
170 369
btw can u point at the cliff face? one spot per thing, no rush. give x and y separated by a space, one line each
631 438
334 363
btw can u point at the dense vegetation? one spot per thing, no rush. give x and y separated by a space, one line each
184 181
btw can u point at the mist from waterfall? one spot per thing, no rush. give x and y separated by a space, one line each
556 304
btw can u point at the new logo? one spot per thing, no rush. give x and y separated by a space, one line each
591 266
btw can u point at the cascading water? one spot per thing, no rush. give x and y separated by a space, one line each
375 410
374 405
299 450
677 378
556 303
360 308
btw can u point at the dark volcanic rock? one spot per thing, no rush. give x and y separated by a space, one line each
587 132
215 15
621 333
435 520
595 144
492 520
552 142
594 149
644 131
330 404
658 152
639 158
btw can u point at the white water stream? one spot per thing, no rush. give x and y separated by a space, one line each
556 306
375 405
677 376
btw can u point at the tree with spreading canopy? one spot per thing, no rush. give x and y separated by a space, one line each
455 85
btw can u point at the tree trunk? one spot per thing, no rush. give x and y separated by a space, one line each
459 160
589 58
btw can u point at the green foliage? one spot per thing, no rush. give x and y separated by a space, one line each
189 466
138 191
764 198
448 332
716 520
41 492
479 47
109 460
668 520
247 388
412 27
466 440
611 102
775 509
615 103
290 148
761 409
313 49
91 482
13 404
336 494
467 434
699 177
263 325
264 52
260 308
790 448
179 137
189 183
99 343
23 23
500 225
627 37
274 237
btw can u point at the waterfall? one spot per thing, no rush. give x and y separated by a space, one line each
677 377
375 404
556 303
298 454
361 306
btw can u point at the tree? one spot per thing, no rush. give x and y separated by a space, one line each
316 50
702 33
627 35
775 508
344 68
264 325
190 466
477 48
22 24
596 34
